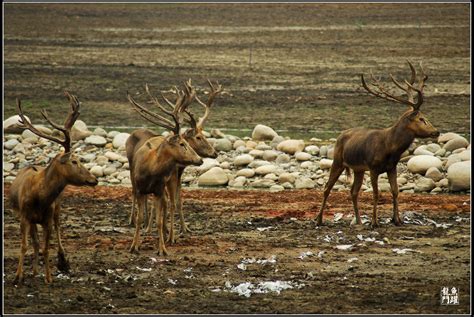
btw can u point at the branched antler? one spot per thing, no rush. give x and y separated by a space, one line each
73 114
215 90
410 88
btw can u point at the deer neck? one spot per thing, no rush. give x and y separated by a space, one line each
53 182
165 163
399 137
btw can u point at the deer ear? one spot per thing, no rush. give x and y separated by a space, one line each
64 157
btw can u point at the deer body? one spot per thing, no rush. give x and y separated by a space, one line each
194 137
379 150
154 161
35 196
153 164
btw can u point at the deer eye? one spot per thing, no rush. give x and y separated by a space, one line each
199 138
423 120
74 162
182 144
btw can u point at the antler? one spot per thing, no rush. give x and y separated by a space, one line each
183 100
215 90
73 114
410 88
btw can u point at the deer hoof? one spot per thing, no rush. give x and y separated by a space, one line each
19 279
48 279
63 263
374 224
397 221
133 249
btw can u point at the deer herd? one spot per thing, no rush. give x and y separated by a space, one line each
157 163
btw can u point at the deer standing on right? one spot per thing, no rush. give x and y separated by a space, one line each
155 161
379 150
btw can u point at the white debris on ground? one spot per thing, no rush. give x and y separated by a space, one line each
411 217
344 247
352 260
143 269
261 229
263 261
404 251
247 288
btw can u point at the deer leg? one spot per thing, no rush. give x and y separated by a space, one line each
358 178
150 218
392 179
160 201
24 226
179 205
63 263
374 180
47 235
36 246
336 171
171 190
138 223
133 215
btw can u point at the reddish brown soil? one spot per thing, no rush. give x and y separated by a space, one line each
105 278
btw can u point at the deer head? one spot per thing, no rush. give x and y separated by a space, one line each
67 164
177 147
414 120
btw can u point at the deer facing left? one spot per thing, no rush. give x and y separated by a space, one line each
35 192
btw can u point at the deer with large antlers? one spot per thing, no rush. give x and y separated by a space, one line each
379 150
196 139
156 159
35 192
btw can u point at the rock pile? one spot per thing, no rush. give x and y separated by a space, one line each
267 161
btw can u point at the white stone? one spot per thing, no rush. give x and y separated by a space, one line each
433 147
282 158
112 156
465 155
13 125
223 145
456 143
120 140
213 177
97 171
256 153
265 169
304 182
421 163
424 184
262 133
312 149
269 155
443 138
434 174
238 144
277 188
453 158
10 144
243 159
109 170
307 164
421 150
291 146
96 140
7 167
207 164
246 172
330 153
286 178
99 131
459 176
325 164
303 156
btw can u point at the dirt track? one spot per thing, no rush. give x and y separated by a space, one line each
231 228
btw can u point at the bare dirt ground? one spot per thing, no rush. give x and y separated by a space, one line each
232 227
305 64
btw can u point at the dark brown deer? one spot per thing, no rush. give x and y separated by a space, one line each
156 160
35 192
196 139
379 150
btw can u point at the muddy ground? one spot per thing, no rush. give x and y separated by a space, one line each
230 228
302 78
